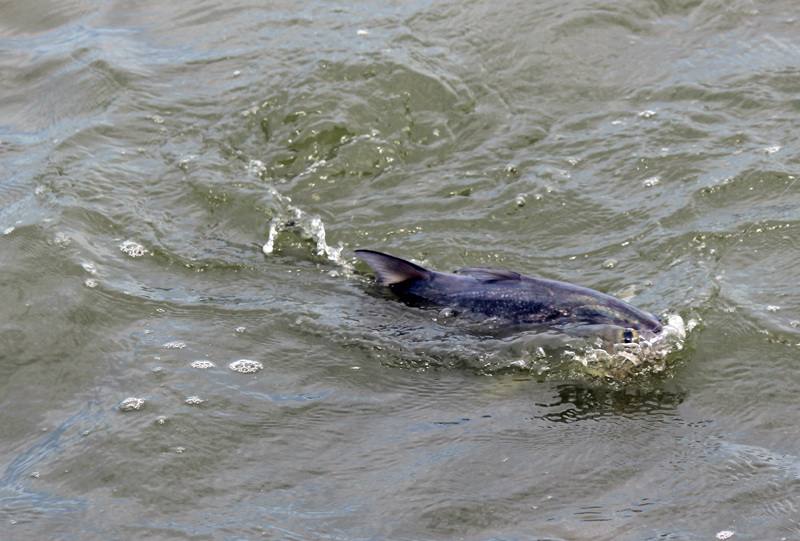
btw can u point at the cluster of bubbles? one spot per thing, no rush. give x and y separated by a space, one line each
203 365
246 366
132 248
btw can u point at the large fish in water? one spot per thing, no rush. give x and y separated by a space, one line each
515 299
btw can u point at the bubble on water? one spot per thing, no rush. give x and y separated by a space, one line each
519 364
174 345
650 182
203 365
772 150
62 239
245 366
194 400
131 404
89 267
794 323
520 200
241 329
610 263
725 534
183 163
35 474
647 114
161 420
772 308
362 32
90 282
133 249
256 167
180 450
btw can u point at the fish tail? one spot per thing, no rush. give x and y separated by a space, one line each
392 270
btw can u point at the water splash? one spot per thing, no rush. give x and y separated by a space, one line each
627 360
307 227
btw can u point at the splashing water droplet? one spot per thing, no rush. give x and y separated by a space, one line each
309 228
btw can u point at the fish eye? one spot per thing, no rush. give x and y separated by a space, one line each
629 336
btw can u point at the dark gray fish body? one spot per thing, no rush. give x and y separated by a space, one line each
514 298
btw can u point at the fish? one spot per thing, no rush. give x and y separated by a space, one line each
514 299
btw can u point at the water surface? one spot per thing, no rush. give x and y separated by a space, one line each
149 153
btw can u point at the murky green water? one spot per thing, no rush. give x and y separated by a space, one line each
149 153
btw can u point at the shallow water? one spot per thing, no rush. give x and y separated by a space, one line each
183 188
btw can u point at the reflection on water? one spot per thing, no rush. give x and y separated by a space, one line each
577 402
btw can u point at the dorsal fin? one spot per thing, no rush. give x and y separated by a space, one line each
392 270
488 274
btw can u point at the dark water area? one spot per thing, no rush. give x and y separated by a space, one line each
190 349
